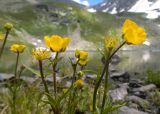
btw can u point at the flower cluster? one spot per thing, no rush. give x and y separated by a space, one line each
82 57
41 53
111 42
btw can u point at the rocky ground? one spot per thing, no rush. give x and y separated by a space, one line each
135 92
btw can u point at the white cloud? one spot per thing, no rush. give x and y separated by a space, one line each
84 2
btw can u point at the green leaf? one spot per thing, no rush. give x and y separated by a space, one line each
36 72
89 72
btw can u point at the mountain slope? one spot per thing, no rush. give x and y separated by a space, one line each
150 7
34 19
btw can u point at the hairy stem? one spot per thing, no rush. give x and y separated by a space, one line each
4 42
16 67
54 74
102 75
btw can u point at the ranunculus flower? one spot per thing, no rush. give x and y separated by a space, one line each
41 53
57 43
111 42
17 48
133 33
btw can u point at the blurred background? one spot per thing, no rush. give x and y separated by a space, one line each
86 22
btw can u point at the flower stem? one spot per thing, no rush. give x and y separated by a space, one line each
4 42
72 93
105 88
54 74
45 84
101 77
74 72
42 77
15 73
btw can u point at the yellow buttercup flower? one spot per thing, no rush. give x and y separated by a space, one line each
79 83
133 33
82 55
41 53
17 48
8 26
83 62
57 43
1 36
111 42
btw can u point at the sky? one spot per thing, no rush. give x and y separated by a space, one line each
88 2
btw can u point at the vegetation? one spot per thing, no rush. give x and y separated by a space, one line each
78 96
153 77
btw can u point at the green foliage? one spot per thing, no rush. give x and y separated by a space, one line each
27 99
155 97
153 77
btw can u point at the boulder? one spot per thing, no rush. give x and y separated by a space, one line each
127 110
145 88
120 76
118 94
141 102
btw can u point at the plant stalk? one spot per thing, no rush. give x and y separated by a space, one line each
42 77
102 75
54 74
4 42
16 67
44 82
105 88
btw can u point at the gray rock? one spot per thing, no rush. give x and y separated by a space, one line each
120 76
146 88
88 76
141 102
135 83
4 76
49 79
29 80
118 94
127 110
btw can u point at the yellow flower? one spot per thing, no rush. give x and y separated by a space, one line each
17 48
79 83
1 36
133 33
82 55
111 42
83 62
41 53
8 26
57 43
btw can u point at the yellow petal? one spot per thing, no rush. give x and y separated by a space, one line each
79 83
133 34
83 62
47 41
77 53
56 43
83 55
65 43
17 48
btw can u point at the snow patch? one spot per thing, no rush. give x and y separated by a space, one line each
105 10
150 8
92 10
114 11
103 4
